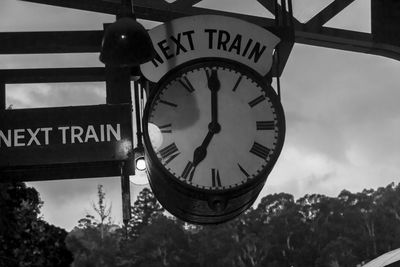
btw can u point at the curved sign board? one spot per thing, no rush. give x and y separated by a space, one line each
195 37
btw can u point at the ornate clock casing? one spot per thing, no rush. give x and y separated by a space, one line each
213 130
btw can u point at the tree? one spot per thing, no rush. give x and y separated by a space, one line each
360 215
338 253
25 239
102 210
315 230
144 209
162 243
387 202
283 226
95 242
214 245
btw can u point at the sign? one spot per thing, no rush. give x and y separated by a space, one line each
188 38
46 136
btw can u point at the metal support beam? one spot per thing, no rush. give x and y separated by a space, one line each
185 3
56 75
311 33
10 76
61 171
161 11
156 10
100 6
346 40
327 13
89 41
50 42
2 95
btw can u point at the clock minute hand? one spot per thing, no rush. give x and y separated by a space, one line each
213 127
214 85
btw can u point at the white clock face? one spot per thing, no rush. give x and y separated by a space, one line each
217 128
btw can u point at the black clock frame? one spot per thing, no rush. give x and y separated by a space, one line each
161 177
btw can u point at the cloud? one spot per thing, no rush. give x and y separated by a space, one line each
55 94
30 61
67 201
343 123
25 16
332 104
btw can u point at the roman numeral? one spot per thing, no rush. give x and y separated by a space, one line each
168 151
256 101
187 84
259 150
167 128
216 180
169 103
237 83
265 125
171 158
188 172
243 171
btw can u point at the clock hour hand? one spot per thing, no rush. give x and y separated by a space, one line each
201 152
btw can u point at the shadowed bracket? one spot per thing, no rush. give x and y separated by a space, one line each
284 28
275 8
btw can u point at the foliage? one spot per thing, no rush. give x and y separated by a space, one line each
25 239
162 243
95 242
143 210
315 231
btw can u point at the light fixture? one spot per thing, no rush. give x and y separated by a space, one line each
140 177
126 43
140 162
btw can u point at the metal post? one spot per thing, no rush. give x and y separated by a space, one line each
278 82
118 90
2 96
276 13
291 23
118 85
283 11
126 195
138 116
126 9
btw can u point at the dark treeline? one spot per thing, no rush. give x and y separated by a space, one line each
315 230
26 240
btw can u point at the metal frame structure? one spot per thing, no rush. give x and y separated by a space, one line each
289 29
313 32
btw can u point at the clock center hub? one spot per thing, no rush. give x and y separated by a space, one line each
214 127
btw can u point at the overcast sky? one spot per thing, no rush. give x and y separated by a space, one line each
342 108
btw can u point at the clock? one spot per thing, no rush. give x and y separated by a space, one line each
213 130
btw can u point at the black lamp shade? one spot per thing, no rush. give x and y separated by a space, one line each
126 43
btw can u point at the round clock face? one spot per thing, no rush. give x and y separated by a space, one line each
214 126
